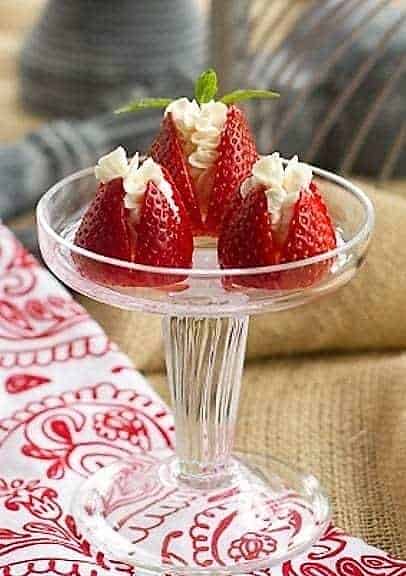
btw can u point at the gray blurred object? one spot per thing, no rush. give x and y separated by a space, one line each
229 42
341 69
29 167
85 56
28 238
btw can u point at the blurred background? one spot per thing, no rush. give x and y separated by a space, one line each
340 66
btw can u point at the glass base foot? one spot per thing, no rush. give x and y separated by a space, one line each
143 512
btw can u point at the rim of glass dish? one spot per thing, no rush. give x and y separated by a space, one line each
361 235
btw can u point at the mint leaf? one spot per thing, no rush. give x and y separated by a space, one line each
242 95
144 104
206 86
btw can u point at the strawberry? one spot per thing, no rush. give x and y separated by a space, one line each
161 235
248 240
167 151
236 155
207 147
311 232
211 197
164 237
105 230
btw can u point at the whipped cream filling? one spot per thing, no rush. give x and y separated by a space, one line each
201 127
112 165
283 185
136 176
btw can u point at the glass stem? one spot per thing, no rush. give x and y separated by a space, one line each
204 358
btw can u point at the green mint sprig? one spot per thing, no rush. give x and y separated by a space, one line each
144 104
206 89
243 95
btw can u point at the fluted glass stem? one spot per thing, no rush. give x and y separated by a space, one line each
205 358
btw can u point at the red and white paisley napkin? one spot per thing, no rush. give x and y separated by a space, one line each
70 402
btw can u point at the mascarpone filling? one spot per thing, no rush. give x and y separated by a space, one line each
282 186
201 127
136 176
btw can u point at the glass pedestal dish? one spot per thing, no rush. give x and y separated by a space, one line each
236 513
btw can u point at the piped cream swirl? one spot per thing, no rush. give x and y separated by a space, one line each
136 176
201 128
282 185
112 165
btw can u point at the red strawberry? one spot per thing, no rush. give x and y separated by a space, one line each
236 156
167 151
247 240
311 232
105 230
194 128
162 237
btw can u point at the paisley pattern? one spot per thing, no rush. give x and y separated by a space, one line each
70 404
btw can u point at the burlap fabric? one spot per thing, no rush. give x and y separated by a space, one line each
338 405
